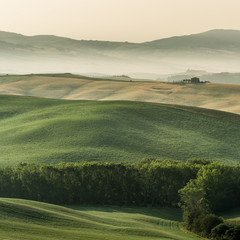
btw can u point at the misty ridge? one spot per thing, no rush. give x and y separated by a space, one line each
213 51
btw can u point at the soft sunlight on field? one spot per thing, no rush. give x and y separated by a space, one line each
225 97
22 219
54 130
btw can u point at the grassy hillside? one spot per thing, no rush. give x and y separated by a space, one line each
225 97
232 216
50 130
22 219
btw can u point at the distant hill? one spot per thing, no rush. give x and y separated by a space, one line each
216 50
225 97
222 77
53 131
219 40
215 39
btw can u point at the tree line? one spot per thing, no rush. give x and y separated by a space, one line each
148 182
201 188
215 190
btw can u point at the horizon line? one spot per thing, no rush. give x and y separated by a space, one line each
53 35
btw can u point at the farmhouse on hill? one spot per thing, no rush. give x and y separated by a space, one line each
192 80
195 80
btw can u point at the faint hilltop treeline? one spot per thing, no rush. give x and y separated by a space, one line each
149 182
221 77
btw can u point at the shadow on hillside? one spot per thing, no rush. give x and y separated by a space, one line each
172 214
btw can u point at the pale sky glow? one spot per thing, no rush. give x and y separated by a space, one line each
118 20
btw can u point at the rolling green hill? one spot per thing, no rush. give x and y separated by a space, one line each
22 219
51 131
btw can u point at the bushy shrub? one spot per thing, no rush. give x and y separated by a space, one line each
205 223
233 233
216 188
218 232
198 161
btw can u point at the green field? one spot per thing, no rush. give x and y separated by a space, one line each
232 216
52 131
22 219
222 97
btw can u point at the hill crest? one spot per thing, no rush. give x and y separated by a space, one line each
213 33
214 51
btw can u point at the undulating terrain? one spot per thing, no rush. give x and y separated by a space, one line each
51 130
53 118
214 51
107 140
225 97
221 77
27 220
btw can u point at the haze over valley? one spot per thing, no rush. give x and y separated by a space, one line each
213 51
119 120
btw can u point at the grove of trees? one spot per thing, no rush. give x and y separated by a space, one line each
201 188
216 189
149 182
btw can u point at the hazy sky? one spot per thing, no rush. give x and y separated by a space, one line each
118 20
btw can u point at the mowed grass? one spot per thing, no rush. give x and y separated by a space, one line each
53 131
23 219
232 216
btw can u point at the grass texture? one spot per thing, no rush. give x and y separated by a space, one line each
53 131
23 219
